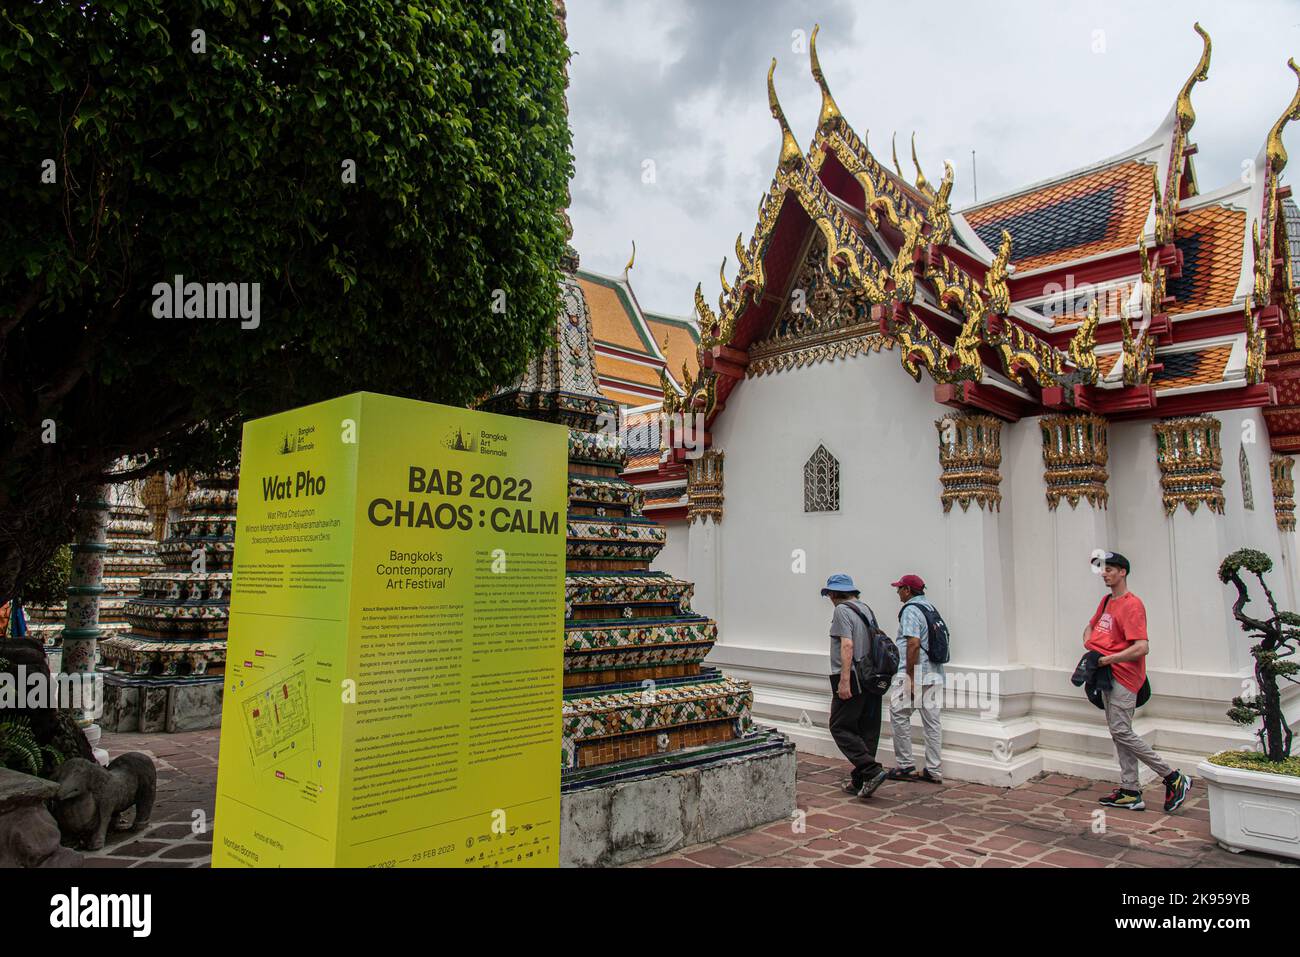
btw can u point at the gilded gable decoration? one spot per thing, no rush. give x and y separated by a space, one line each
970 454
1262 238
1166 204
1074 459
704 487
1190 461
822 319
1283 491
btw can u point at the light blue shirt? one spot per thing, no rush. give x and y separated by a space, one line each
912 624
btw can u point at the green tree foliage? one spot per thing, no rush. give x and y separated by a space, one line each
221 156
48 585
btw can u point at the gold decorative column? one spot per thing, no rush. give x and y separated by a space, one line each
1190 460
1283 491
970 452
704 487
1074 459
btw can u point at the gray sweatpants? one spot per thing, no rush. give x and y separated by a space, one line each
929 701
1120 705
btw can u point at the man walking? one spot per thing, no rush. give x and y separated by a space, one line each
918 685
855 716
1117 633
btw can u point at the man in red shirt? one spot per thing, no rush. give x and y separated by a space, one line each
1117 633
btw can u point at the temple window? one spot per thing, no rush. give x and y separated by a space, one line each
821 482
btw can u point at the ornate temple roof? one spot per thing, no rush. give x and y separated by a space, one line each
633 346
1085 215
1119 288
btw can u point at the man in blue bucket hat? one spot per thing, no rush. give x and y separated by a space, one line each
855 716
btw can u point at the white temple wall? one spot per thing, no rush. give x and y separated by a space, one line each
672 557
1016 585
889 522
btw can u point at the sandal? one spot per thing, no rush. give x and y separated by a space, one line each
925 775
903 774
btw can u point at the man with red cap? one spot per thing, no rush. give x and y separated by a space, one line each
919 683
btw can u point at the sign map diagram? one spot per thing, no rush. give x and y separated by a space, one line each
278 717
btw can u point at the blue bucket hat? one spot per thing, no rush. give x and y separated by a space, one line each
840 583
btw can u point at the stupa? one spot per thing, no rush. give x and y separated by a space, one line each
641 708
164 671
132 553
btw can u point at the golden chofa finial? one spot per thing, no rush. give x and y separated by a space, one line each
922 183
790 154
631 260
830 115
722 275
893 148
1183 108
1273 148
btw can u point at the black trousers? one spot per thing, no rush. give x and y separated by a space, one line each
855 726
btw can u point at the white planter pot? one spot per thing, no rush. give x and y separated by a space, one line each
1253 810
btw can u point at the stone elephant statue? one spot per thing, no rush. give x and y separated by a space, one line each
91 797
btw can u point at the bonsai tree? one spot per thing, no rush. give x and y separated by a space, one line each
1273 653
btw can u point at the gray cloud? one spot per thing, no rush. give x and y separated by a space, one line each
1035 88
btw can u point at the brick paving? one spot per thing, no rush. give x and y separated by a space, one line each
187 782
1046 822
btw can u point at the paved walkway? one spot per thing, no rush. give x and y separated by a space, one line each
187 783
1048 822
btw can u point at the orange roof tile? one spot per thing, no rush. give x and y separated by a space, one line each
611 319
628 371
1112 300
624 398
644 461
1182 369
1211 242
1089 214
1105 363
678 341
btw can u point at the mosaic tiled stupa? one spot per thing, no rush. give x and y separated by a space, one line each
164 671
132 554
638 698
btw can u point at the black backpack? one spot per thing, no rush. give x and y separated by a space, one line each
875 669
936 633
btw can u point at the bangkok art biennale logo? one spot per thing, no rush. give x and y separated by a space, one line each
297 441
459 441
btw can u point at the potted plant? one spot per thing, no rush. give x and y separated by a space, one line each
1255 795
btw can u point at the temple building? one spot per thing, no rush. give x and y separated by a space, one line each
1106 360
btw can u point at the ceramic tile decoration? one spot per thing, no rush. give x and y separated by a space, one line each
176 624
637 695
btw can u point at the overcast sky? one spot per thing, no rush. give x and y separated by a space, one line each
1035 88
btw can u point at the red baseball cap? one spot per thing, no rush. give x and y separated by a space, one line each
913 582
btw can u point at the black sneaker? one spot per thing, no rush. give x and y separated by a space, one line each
851 786
1127 800
1176 787
869 786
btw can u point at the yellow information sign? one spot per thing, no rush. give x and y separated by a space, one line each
395 661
